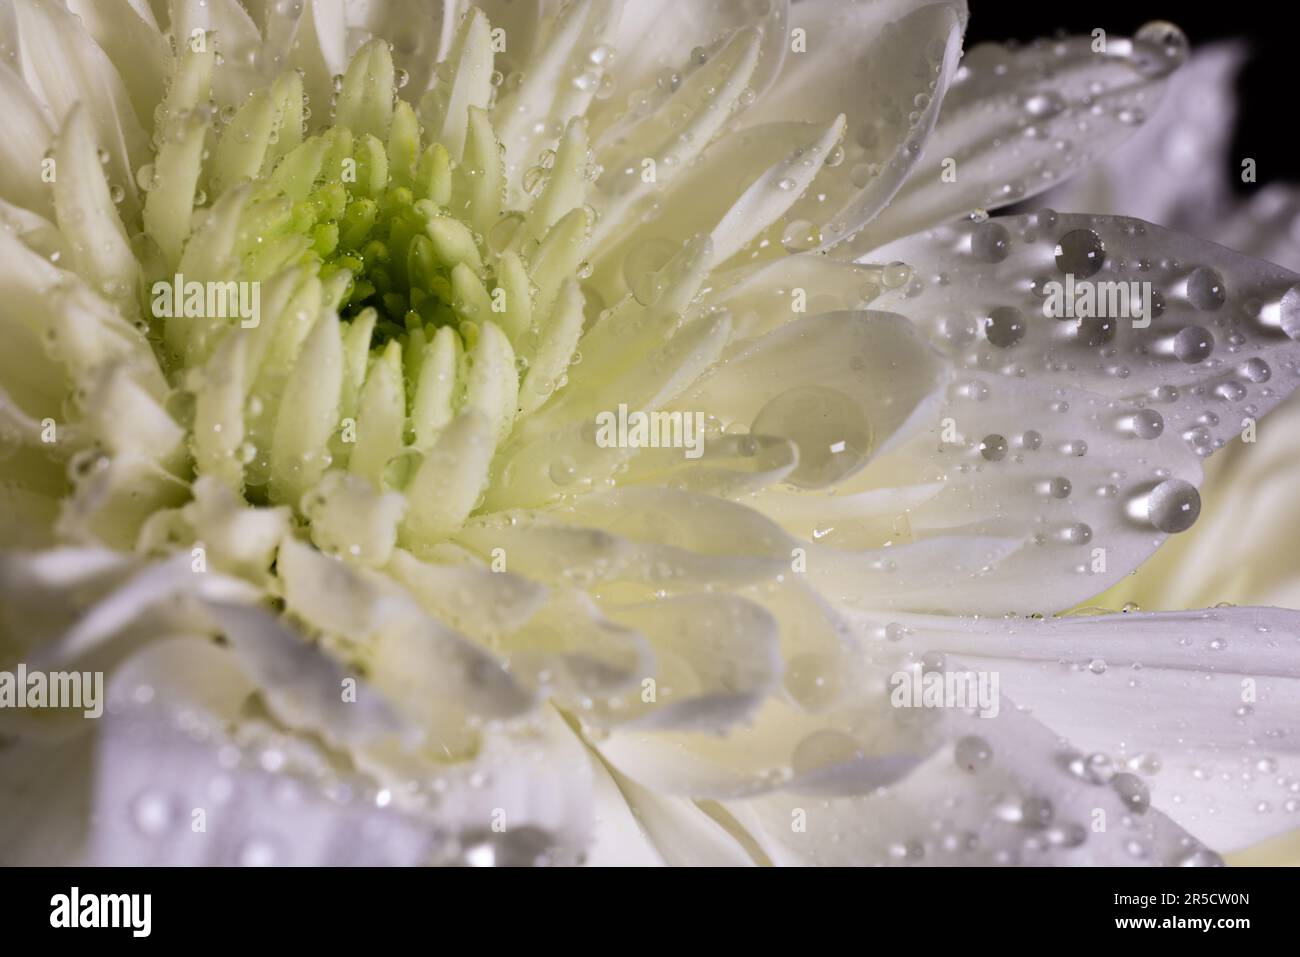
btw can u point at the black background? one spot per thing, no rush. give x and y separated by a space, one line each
1270 78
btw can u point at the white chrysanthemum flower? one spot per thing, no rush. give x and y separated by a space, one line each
330 328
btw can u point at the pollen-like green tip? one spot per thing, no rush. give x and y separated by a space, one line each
393 335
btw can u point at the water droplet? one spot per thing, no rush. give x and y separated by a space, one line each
1205 289
1081 253
800 235
990 242
534 180
895 275
1094 768
1146 762
1193 344
1161 47
669 80
1230 391
1096 331
1076 533
814 681
1256 370
1005 326
972 754
993 448
562 470
1044 104
832 433
1173 506
1289 312
1132 791
1148 423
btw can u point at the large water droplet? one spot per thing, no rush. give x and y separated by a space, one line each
1173 506
800 235
832 433
1005 326
1289 312
1193 344
993 448
1206 289
1160 47
1094 768
1148 423
1256 370
1081 253
813 681
990 242
1132 791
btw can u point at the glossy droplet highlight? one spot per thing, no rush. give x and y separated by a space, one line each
990 242
1205 289
1289 312
1193 344
1173 506
1004 327
800 236
813 681
1161 47
830 430
1132 791
993 448
1148 424
1081 253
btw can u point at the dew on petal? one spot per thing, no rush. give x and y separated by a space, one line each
1193 344
1081 253
1173 506
1004 327
1205 289
990 242
832 433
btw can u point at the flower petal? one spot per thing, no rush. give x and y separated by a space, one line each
1194 705
1203 354
902 58
1017 122
1022 808
64 66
